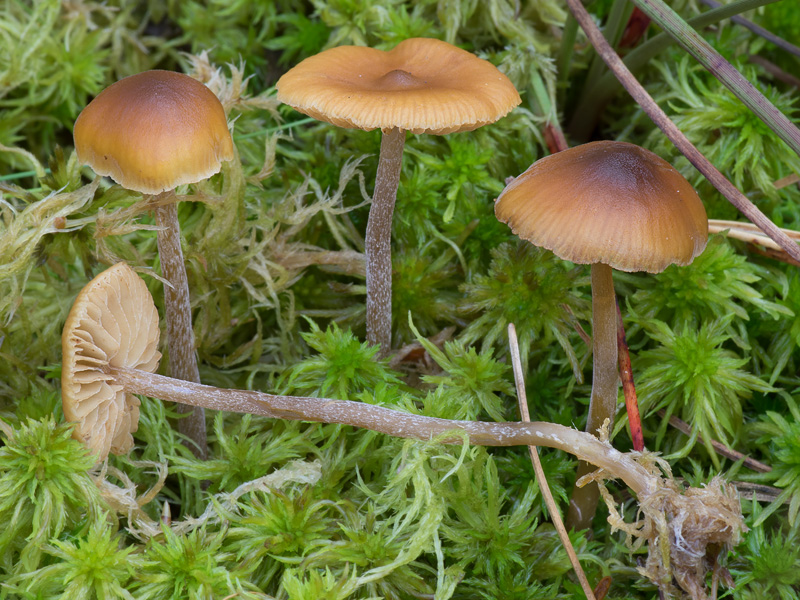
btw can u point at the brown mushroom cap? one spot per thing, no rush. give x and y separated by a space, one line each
154 131
113 322
422 85
607 202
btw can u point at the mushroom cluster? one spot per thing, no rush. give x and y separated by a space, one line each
612 205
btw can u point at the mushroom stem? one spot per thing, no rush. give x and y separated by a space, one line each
378 240
390 422
679 525
178 312
603 401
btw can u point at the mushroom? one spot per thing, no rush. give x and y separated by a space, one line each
150 133
613 205
422 86
113 322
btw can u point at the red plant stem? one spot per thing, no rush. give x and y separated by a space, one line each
634 30
554 136
676 136
628 387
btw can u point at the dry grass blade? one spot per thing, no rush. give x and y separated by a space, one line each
747 232
750 234
537 466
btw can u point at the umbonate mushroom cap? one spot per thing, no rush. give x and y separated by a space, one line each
154 131
422 85
607 202
113 323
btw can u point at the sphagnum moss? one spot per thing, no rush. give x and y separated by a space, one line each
87 565
45 490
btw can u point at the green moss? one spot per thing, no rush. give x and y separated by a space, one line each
728 134
90 566
189 566
532 289
694 376
45 490
278 235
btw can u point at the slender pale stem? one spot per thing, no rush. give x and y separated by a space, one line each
603 402
391 422
538 469
180 335
378 241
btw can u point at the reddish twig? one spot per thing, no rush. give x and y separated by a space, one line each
750 463
634 30
554 136
628 387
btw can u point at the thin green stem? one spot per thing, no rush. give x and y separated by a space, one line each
545 99
20 175
564 59
282 127
615 26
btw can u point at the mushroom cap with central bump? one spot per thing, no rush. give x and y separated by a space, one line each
154 131
607 202
422 85
113 323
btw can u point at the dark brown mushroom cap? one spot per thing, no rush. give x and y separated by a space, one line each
154 131
422 85
113 322
607 202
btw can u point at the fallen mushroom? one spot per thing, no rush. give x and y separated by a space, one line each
613 205
422 86
152 132
113 322
110 341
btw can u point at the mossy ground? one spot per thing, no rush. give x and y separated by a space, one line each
273 247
